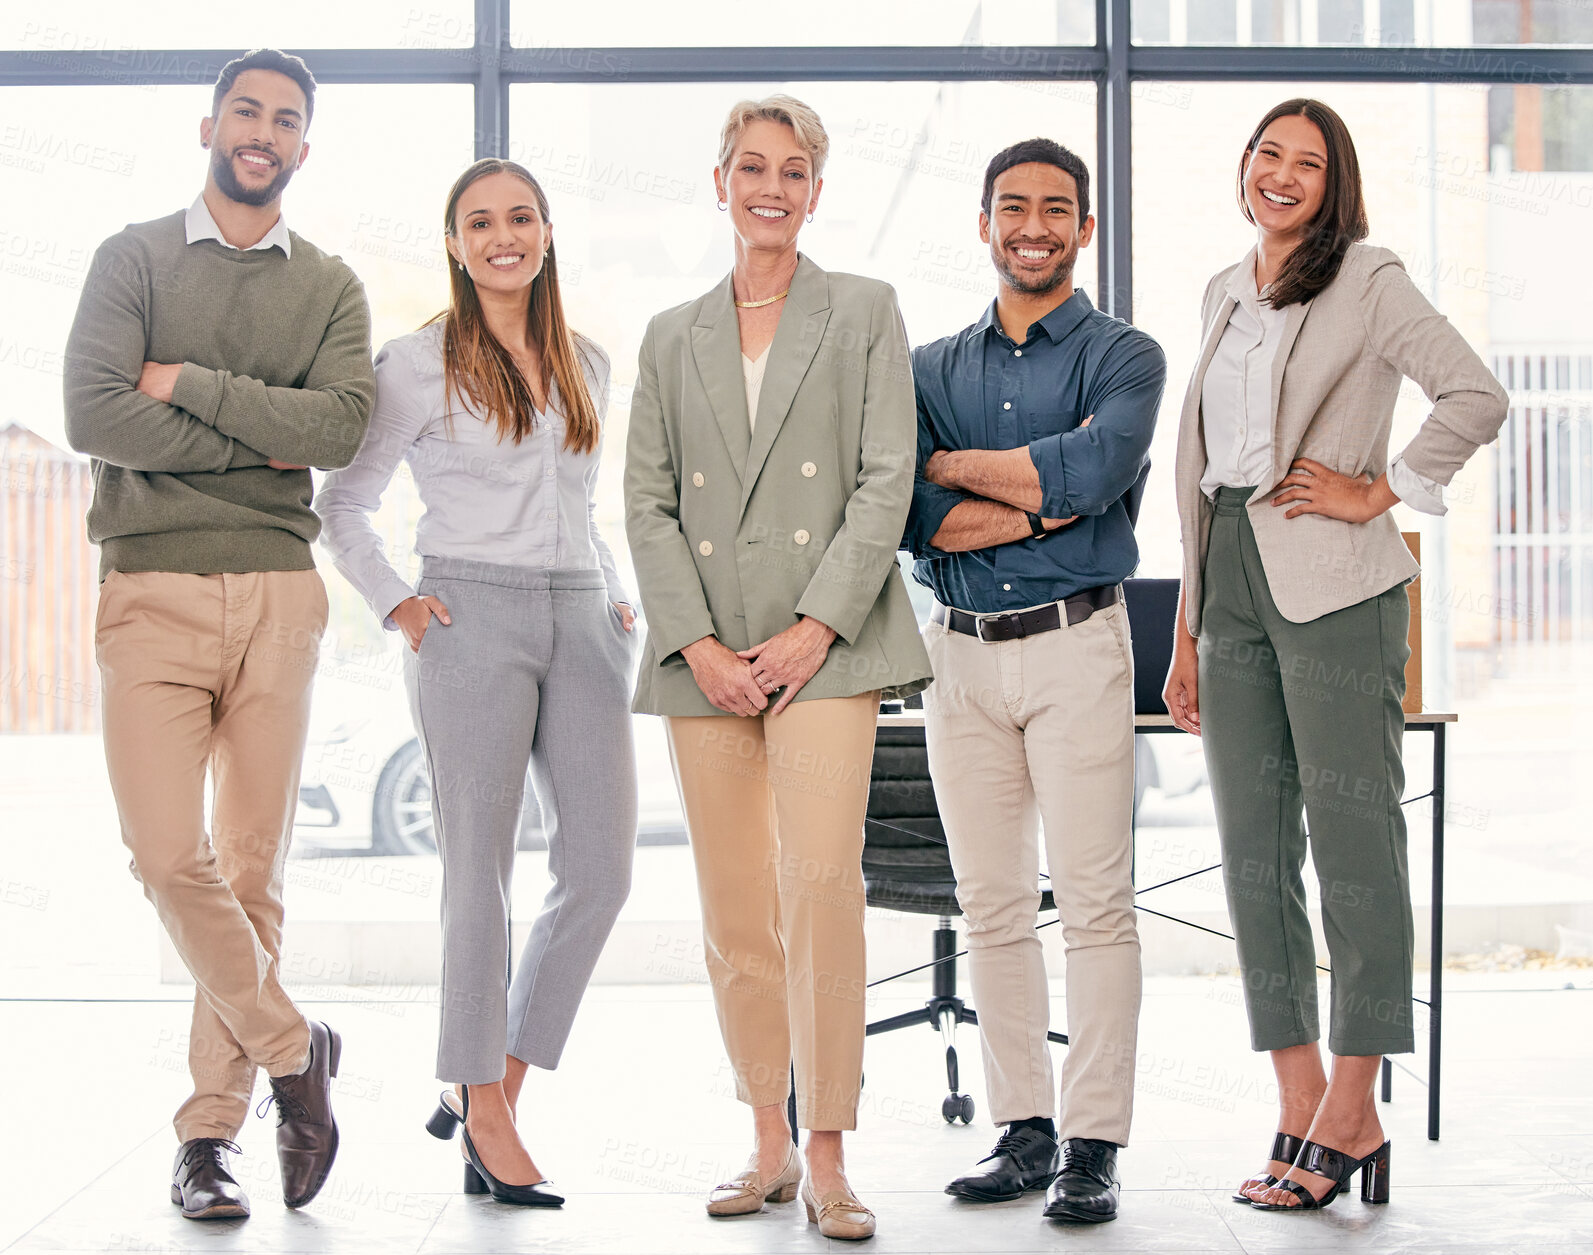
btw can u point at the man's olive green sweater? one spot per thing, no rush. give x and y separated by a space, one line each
276 363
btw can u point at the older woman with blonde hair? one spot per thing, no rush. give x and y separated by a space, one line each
768 477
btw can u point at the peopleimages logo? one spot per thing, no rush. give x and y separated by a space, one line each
31 149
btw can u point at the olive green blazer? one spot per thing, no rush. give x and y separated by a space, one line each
737 531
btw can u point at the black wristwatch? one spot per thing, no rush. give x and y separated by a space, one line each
1037 527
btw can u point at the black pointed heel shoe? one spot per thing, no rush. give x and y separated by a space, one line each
446 1120
1338 1168
1285 1148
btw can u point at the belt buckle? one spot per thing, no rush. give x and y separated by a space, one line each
1008 619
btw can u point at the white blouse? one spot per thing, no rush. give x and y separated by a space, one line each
752 369
1236 402
528 504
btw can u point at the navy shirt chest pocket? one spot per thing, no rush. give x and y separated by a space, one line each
1043 419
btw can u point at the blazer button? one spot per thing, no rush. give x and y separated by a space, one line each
800 536
697 478
706 548
809 470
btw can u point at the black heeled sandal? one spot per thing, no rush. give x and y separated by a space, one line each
1338 1168
445 1121
1285 1148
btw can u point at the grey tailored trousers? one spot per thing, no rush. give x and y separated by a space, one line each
534 670
1303 721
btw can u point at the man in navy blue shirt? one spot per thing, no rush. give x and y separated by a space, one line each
1034 427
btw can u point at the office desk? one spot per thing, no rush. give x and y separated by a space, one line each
1433 722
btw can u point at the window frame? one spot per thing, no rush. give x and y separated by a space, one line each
1114 63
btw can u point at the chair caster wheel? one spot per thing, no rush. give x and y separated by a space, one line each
954 1107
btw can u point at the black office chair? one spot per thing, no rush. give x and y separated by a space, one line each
906 867
1152 607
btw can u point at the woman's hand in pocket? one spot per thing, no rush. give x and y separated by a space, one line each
414 616
627 616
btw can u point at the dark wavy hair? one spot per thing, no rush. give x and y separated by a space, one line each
266 59
1340 222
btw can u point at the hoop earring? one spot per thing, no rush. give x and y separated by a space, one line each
723 206
810 217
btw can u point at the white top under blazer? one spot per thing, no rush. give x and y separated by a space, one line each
1236 403
528 504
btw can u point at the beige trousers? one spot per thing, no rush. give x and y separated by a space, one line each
214 670
1042 728
775 807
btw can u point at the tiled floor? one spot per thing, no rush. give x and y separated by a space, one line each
639 1121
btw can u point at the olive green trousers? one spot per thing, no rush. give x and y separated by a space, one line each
1303 721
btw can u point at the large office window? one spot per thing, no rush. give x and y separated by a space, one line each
634 204
719 23
1479 174
1423 154
79 163
1421 23
96 30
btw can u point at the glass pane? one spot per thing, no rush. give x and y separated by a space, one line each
68 183
1503 254
1418 23
727 23
638 232
1540 128
1479 241
104 26
900 201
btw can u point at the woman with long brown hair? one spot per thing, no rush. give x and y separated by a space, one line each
1290 646
520 646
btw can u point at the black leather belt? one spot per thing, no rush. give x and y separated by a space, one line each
1009 627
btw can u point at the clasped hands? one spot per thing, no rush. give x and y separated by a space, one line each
743 682
158 379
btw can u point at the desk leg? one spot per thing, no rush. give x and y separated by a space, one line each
1435 1034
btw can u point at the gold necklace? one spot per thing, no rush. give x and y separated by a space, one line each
761 304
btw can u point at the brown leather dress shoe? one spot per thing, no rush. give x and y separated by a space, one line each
202 1184
306 1131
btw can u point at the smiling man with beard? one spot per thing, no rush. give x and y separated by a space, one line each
215 357
1034 427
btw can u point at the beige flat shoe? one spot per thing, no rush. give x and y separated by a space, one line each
839 1214
746 1193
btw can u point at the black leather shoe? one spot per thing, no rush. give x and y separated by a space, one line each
202 1184
306 1131
1087 1188
1024 1159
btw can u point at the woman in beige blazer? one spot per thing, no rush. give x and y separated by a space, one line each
1290 650
768 476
